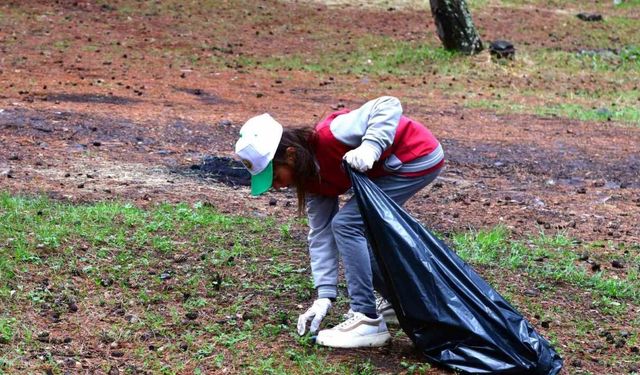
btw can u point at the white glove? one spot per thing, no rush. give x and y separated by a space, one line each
317 311
362 157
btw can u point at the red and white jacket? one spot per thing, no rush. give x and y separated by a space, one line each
407 147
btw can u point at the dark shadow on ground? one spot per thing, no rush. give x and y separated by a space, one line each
91 98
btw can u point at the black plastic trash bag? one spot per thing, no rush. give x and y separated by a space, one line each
450 313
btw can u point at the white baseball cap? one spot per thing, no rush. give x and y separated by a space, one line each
259 140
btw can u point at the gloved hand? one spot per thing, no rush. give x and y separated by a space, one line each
362 157
317 311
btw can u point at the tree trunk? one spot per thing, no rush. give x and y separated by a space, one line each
455 27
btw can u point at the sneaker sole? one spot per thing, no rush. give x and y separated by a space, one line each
369 341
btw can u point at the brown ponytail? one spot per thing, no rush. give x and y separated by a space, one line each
305 169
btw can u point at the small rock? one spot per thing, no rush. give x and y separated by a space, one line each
184 346
166 275
117 353
73 307
70 362
502 49
609 337
531 293
589 17
180 258
604 112
538 202
581 190
43 336
617 264
272 202
191 315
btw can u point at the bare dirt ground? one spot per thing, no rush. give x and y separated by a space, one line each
89 111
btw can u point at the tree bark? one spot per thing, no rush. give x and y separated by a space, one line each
455 27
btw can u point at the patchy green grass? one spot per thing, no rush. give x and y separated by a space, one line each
181 288
579 112
628 3
375 56
561 90
540 82
189 258
205 290
552 257
582 112
6 329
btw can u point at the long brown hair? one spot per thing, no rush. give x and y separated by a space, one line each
305 169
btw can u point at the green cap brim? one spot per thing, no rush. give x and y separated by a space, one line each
262 181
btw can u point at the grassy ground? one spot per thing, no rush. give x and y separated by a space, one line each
571 69
187 289
127 264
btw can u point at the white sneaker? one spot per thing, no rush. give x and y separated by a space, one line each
384 309
358 331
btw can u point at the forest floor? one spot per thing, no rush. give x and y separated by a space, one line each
124 101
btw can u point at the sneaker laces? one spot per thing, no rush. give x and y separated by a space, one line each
348 315
353 318
379 302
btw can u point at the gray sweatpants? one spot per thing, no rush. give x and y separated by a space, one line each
341 231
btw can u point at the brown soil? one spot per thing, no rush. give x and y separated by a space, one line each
85 125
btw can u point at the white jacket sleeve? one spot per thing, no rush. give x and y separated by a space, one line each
322 247
375 122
